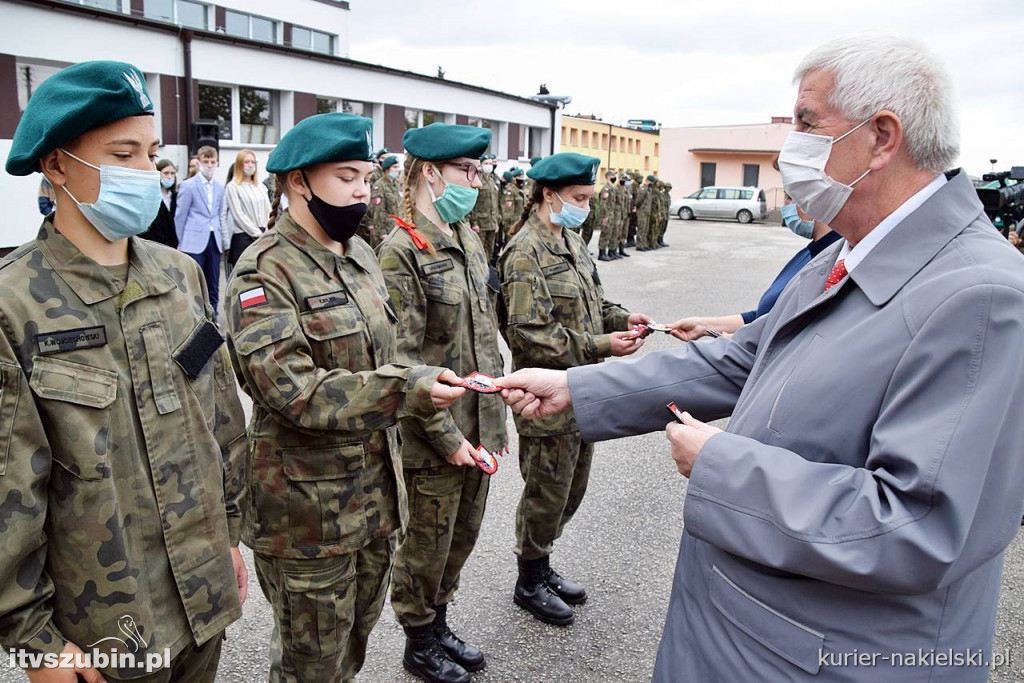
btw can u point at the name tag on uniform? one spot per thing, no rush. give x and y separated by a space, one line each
316 303
555 269
438 267
69 340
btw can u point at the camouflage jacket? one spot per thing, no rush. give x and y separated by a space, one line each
487 212
606 205
554 313
312 337
121 451
384 201
644 202
445 318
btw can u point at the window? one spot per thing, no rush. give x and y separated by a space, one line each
247 26
215 104
191 14
585 142
29 78
353 107
614 144
751 175
326 105
112 5
630 145
308 39
430 117
161 10
709 193
647 163
493 127
574 137
565 135
656 150
707 173
746 194
412 118
604 140
257 116
728 194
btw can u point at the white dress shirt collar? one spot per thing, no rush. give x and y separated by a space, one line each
852 257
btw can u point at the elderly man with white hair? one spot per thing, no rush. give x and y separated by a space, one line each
850 524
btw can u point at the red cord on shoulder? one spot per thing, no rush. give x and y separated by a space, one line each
418 239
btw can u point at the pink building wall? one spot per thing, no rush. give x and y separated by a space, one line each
729 147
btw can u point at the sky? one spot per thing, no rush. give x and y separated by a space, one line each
687 63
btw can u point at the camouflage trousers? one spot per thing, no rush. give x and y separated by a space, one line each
555 472
196 663
446 509
660 227
644 236
489 238
609 238
587 232
324 610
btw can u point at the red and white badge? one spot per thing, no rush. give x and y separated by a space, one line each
480 382
252 297
376 201
485 460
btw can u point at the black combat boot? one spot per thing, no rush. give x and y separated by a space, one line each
424 657
661 243
622 252
467 656
631 243
535 595
603 256
571 592
613 254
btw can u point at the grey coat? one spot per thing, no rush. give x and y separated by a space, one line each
871 475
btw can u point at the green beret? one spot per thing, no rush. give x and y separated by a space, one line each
441 141
488 157
534 160
379 152
652 178
73 101
566 168
507 176
389 162
321 139
515 171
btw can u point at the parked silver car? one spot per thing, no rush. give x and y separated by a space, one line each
741 203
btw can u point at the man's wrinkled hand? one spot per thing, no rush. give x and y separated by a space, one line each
687 440
535 393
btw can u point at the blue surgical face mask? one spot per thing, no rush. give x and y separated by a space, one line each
571 216
393 175
455 203
792 220
167 183
128 201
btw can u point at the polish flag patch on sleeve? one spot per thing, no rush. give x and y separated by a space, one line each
252 297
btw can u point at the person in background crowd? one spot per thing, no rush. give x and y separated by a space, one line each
436 271
197 221
554 315
385 202
245 210
607 205
162 228
122 437
47 200
486 215
313 339
193 166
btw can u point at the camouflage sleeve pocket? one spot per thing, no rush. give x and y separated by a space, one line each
520 302
268 331
565 290
10 388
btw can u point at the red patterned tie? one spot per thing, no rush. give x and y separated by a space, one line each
837 274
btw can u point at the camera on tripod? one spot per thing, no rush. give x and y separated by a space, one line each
1002 196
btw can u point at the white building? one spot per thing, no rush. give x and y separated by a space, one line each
258 66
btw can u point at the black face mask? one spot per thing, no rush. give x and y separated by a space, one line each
339 222
612 180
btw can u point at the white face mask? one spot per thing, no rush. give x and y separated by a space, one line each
208 171
802 165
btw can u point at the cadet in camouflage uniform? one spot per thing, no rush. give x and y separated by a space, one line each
663 216
121 432
607 204
555 316
625 209
646 200
436 271
586 230
312 336
636 190
384 203
507 203
486 215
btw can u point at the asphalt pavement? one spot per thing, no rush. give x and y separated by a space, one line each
623 542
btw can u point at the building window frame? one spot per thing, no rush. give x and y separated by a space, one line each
332 40
275 26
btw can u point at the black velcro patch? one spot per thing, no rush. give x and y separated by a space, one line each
438 267
193 355
597 278
492 279
555 269
316 303
69 340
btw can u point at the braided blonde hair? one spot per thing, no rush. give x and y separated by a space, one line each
275 203
410 187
